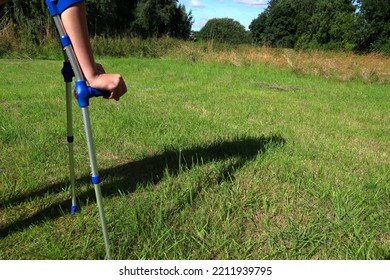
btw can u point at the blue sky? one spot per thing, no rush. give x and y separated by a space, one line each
243 11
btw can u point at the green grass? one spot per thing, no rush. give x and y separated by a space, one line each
199 161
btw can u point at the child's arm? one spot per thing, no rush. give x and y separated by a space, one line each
75 24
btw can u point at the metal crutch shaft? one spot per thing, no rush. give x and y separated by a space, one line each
67 73
83 93
95 177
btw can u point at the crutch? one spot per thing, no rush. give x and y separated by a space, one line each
82 93
68 74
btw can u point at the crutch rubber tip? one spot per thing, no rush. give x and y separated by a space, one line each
73 209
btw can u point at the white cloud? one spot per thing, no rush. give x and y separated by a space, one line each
196 4
255 3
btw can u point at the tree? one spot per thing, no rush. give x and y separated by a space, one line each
156 18
224 30
30 17
143 18
181 23
282 22
332 25
374 26
306 23
110 17
258 28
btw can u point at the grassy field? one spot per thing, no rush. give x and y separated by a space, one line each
200 160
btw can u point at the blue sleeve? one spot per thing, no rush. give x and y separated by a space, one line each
56 7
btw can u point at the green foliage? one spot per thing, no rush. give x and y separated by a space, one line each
110 17
156 18
332 25
374 25
382 46
258 27
359 25
324 24
224 30
145 18
31 18
137 47
282 23
4 48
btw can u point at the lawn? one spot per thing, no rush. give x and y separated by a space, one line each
199 160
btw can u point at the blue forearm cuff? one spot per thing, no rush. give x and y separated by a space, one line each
56 7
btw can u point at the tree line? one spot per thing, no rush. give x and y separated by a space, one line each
141 18
359 25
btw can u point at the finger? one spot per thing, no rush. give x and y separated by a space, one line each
121 88
116 94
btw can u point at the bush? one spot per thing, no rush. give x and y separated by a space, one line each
382 46
129 46
225 30
5 48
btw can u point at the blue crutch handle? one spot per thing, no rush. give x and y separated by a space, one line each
83 93
93 92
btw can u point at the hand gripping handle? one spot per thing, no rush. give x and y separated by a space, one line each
83 93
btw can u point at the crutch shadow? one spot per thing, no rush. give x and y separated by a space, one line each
152 169
126 177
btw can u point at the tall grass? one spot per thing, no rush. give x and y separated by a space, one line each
344 66
22 42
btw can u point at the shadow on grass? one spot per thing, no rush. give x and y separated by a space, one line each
125 178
